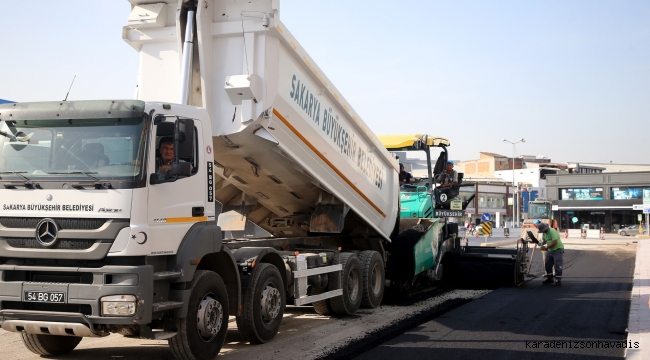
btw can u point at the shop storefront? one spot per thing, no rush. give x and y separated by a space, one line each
594 201
610 220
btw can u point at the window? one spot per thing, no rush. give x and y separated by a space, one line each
165 154
581 194
120 150
60 150
627 193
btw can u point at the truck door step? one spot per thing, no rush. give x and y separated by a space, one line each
165 275
165 305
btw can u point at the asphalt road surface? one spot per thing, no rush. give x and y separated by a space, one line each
525 322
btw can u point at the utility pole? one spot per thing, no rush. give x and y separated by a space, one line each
515 213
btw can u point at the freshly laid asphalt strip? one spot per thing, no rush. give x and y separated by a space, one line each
591 306
371 340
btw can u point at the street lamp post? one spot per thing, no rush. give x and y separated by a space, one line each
514 197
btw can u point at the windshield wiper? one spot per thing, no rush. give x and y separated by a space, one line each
96 182
27 183
13 137
19 173
75 172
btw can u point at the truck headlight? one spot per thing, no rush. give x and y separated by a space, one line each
118 305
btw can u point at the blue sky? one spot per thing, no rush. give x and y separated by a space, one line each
571 77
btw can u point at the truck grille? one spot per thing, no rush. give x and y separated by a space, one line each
49 277
63 244
62 223
68 308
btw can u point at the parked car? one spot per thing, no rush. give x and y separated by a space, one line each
631 230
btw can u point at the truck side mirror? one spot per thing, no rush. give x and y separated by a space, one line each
183 169
184 139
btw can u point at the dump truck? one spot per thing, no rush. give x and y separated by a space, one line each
113 211
539 210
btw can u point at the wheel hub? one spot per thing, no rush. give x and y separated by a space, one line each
209 318
353 285
375 283
270 303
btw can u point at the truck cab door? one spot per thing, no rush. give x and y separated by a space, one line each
175 203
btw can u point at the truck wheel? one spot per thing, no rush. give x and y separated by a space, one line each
130 332
373 279
350 281
263 301
50 345
322 307
202 332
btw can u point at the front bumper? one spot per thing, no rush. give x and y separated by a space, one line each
82 298
52 328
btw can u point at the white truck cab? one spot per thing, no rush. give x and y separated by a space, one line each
91 233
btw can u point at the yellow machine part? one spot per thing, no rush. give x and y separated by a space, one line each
398 142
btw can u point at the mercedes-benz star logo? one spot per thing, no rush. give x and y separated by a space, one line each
47 232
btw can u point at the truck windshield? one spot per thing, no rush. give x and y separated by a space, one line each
539 211
55 150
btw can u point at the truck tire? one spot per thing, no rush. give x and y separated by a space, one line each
49 345
130 332
322 307
374 277
202 332
349 279
263 305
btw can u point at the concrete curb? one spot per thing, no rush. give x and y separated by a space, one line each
639 319
642 236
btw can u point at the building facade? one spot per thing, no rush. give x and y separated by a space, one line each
492 198
487 164
597 200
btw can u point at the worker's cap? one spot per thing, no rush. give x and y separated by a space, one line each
542 227
537 222
401 166
450 162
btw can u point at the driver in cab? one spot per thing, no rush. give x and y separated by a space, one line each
164 162
405 177
449 177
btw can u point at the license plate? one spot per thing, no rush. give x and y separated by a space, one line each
46 297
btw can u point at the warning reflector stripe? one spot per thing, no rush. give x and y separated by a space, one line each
486 227
187 219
